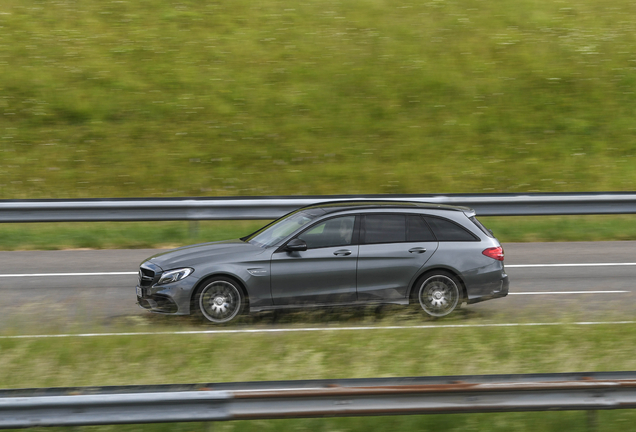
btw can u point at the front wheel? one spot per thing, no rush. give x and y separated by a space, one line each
220 300
439 294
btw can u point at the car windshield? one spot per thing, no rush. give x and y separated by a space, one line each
279 230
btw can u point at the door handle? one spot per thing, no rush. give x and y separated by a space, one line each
342 252
417 250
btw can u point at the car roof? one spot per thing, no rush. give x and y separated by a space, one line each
342 205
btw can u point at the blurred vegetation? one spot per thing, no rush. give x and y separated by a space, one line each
572 421
146 359
139 235
189 98
119 235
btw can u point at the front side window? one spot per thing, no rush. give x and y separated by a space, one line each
331 233
279 230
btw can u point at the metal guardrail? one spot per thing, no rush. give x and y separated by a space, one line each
318 398
252 208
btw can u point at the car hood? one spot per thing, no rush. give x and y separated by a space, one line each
189 256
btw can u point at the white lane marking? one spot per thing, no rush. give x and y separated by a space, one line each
566 292
314 329
135 273
569 265
68 274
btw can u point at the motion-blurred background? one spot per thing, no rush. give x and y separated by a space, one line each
178 98
157 98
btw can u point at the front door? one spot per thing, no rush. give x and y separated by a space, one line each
325 272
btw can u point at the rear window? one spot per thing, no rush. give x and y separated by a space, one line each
446 230
482 227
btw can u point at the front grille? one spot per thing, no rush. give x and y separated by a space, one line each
145 277
148 275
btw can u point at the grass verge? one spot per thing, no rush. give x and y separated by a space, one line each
138 235
159 359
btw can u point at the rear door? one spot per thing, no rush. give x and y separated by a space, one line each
393 248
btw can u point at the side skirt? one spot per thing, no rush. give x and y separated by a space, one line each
404 301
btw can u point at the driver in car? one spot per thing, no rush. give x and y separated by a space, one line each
345 230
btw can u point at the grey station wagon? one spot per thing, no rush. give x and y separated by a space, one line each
335 253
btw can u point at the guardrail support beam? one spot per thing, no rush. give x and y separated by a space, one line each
309 399
268 208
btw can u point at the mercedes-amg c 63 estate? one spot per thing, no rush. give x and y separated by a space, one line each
330 254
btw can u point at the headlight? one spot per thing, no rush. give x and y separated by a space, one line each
174 275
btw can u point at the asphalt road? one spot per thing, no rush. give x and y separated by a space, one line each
549 282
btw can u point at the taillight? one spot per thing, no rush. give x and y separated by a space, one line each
495 253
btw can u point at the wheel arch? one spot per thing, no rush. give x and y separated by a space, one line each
425 274
204 280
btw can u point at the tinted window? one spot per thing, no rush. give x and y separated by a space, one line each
334 232
446 230
417 230
384 228
482 227
278 230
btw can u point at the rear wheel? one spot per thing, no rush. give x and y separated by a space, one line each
220 300
439 294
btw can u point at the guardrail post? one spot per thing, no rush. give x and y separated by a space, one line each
194 229
592 420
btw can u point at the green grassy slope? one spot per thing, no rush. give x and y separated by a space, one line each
158 98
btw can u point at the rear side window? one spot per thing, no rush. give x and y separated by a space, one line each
417 230
446 230
384 228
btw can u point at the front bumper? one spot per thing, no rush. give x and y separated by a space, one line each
172 298
166 299
157 303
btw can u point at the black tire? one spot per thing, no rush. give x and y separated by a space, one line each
220 300
439 293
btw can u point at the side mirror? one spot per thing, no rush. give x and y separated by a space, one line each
296 245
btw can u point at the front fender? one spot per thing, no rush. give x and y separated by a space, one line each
254 277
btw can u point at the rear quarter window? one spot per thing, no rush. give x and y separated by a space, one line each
417 230
446 230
